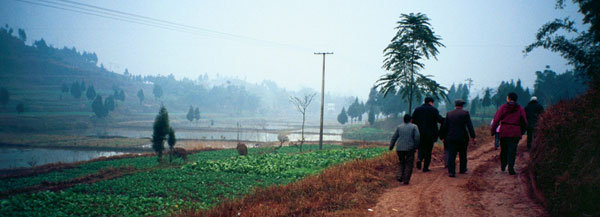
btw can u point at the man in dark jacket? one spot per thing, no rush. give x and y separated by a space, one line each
533 111
513 122
426 117
454 131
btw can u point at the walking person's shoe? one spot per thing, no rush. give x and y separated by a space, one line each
418 164
426 170
405 183
503 168
452 175
511 171
399 179
463 171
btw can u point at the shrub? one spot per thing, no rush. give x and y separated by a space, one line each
242 149
565 157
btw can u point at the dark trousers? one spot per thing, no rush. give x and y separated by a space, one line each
425 149
454 148
446 154
508 152
530 136
405 165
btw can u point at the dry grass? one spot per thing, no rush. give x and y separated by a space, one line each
344 190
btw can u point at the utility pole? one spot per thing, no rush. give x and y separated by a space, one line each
469 82
322 99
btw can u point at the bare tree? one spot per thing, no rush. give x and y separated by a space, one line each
301 105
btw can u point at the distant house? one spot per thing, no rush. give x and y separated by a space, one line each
331 107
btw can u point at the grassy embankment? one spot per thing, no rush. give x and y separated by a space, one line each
565 156
143 188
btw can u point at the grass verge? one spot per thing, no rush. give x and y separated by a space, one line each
344 190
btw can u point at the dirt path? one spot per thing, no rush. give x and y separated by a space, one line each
483 191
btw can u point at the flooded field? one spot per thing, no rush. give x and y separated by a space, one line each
310 134
28 157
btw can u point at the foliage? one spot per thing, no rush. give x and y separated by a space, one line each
91 92
120 95
282 138
371 115
344 190
109 103
342 118
22 35
459 92
190 114
76 90
414 41
98 107
171 140
551 88
582 50
506 87
284 165
157 91
160 131
487 98
211 177
140 95
474 105
197 114
356 110
564 156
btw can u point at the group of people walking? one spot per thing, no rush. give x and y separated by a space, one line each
420 131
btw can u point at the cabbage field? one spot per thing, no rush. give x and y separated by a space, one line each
206 179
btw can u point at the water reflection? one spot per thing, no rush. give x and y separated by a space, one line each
27 157
311 134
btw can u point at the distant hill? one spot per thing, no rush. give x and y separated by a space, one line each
34 75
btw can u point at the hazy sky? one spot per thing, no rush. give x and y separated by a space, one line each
484 38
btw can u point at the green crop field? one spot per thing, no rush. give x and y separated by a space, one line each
206 179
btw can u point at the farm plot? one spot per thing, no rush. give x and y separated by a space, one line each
207 179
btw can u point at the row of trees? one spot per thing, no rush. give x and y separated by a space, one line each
457 92
193 114
549 88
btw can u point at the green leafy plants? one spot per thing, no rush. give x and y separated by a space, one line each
207 179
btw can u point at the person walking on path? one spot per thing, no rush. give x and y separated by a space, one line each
426 117
455 134
513 122
406 139
443 133
532 111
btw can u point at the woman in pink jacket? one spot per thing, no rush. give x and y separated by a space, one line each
512 121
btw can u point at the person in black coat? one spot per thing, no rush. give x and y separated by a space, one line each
427 117
532 111
457 129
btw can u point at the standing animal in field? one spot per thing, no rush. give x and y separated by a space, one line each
242 149
179 152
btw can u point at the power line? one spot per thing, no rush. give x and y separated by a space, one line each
99 15
144 20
